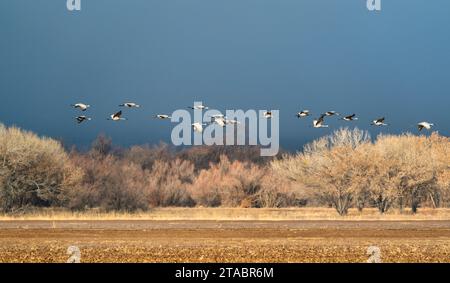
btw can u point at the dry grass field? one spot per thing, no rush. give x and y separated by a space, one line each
254 214
226 235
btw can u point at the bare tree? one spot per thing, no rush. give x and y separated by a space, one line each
101 146
333 167
228 184
169 182
34 171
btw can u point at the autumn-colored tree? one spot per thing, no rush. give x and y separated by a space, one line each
441 156
109 184
333 167
203 156
145 156
168 183
101 146
228 184
34 171
277 191
385 174
409 168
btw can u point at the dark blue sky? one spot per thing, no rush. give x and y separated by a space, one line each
231 54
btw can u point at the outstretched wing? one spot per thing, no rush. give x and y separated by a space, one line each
320 120
81 119
118 114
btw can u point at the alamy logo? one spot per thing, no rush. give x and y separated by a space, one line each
374 5
235 127
73 5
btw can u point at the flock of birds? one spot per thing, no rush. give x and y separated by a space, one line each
197 127
222 120
319 122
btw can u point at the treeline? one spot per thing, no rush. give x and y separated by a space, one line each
343 170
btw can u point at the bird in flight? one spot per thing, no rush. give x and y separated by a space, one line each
162 116
424 125
219 120
217 116
197 127
303 113
350 118
130 105
81 119
81 106
379 122
267 114
318 123
117 116
233 121
222 120
198 107
331 113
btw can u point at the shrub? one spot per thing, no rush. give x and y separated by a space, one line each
34 171
228 184
109 184
204 156
168 182
145 156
